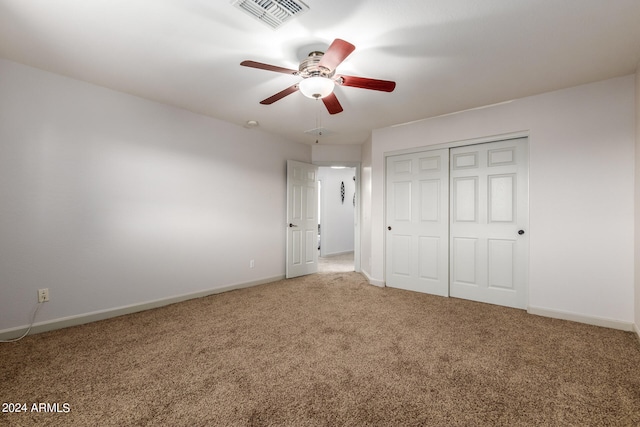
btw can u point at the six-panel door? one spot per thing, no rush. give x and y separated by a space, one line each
302 219
417 221
457 222
489 218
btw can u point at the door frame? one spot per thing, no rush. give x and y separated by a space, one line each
449 145
358 218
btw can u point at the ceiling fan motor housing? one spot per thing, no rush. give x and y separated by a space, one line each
310 67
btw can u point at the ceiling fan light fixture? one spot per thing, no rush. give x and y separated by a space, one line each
316 87
318 73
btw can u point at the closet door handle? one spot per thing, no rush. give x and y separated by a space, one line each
389 228
292 225
521 232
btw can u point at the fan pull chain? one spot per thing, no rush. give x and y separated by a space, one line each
318 120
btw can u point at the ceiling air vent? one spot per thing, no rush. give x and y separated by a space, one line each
274 13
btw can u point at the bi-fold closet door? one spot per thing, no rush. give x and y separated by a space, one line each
457 222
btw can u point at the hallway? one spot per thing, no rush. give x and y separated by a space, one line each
336 263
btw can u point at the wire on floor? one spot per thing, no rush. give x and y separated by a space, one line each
33 319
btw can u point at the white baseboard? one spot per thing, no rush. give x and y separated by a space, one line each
589 320
95 316
371 280
80 319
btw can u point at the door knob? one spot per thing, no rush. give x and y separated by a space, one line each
389 228
291 225
521 232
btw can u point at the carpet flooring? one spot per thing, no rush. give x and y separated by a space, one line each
341 263
325 350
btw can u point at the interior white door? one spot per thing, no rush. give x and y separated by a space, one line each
489 218
417 243
302 219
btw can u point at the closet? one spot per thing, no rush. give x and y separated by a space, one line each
457 221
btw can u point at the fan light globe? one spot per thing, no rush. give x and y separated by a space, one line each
316 87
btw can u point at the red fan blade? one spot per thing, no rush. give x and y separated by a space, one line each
336 53
261 66
280 95
365 83
332 104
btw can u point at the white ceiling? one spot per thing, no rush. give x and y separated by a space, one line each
445 55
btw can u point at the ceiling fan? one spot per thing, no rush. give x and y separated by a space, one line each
319 78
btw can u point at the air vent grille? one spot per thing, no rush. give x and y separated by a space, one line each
274 13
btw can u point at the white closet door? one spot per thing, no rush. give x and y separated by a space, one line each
418 222
489 220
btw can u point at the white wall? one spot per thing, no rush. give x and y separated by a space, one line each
335 154
581 191
337 231
110 200
365 212
637 205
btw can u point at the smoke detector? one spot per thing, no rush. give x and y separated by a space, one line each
274 13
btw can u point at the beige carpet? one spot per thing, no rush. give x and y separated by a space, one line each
342 263
326 350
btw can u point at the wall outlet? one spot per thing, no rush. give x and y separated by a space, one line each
43 295
252 263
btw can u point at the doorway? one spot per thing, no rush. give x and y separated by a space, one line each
337 218
457 222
